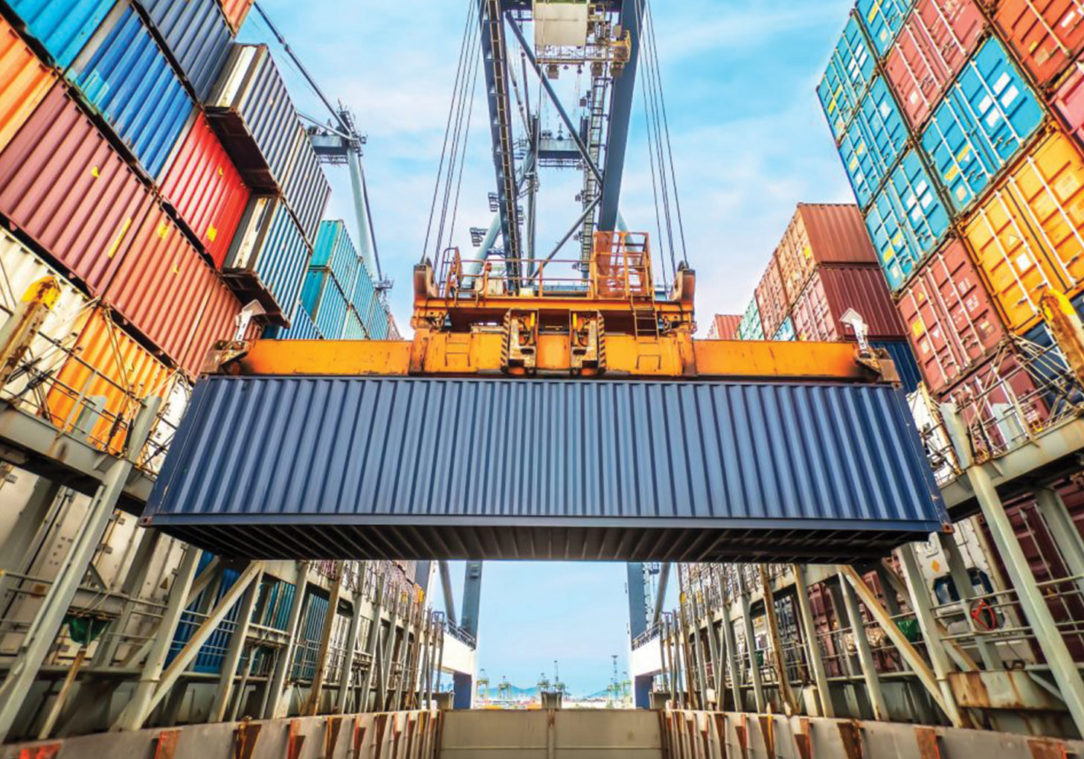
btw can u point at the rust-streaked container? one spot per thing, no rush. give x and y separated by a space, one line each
97 393
832 290
236 11
821 233
1068 101
1029 234
24 82
217 321
931 48
1045 35
205 187
64 186
771 298
951 319
724 327
162 286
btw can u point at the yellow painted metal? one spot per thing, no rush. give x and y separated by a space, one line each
479 354
1065 327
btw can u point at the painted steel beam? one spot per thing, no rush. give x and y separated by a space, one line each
621 99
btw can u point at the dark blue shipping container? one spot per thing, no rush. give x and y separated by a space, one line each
906 366
383 467
196 33
124 75
209 658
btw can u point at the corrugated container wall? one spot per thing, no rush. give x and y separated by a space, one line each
270 251
98 391
335 251
1029 234
218 321
196 33
124 76
381 326
832 291
724 327
850 70
771 297
64 186
252 111
162 285
786 331
305 187
352 329
906 220
1047 36
750 327
1069 102
236 11
951 319
301 327
364 299
985 119
821 233
873 142
63 27
900 353
346 460
883 19
322 297
206 189
936 40
24 82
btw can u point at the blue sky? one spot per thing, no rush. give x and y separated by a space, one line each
749 143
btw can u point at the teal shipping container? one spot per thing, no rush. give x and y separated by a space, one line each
353 329
882 20
906 220
302 327
850 71
124 76
322 297
364 298
786 331
873 142
61 27
750 327
334 250
985 120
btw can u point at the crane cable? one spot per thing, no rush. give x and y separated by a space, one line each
450 134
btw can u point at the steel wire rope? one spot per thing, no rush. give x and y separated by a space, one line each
644 89
473 78
471 5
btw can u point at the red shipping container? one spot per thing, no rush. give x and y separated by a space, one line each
834 289
235 12
218 321
951 319
1046 35
1000 404
771 299
163 286
821 233
724 327
63 185
935 41
206 189
1069 103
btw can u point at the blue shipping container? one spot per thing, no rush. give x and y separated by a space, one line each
906 220
322 297
786 331
883 20
873 142
353 329
334 250
378 322
63 27
750 326
984 120
727 469
312 625
364 298
197 34
904 358
209 658
269 246
302 327
124 75
849 72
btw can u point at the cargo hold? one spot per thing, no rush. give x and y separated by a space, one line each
619 470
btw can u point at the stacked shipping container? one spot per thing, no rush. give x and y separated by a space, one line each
121 174
823 266
967 166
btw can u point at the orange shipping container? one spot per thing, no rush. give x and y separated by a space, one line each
98 391
1029 234
235 12
821 233
24 82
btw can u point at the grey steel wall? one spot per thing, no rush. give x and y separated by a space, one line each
618 470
